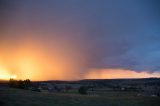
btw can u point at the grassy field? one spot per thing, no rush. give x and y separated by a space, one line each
18 97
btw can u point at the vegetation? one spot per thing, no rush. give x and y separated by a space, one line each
20 97
94 93
20 83
83 90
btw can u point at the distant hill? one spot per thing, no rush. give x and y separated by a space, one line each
105 82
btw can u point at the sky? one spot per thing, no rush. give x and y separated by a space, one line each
79 39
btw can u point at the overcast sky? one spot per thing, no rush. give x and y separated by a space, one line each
119 34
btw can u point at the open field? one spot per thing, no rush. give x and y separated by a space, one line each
18 97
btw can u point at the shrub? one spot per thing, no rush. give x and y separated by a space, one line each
83 90
27 83
13 83
20 84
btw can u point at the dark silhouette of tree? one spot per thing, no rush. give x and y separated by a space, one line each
27 83
13 83
83 90
20 84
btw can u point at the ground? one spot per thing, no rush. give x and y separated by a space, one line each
18 97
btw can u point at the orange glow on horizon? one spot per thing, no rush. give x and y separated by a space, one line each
36 63
118 73
74 40
32 61
6 75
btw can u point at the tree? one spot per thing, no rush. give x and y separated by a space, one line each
27 83
83 90
20 84
13 83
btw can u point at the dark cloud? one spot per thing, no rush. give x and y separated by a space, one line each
110 33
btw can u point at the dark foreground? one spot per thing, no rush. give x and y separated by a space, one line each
19 97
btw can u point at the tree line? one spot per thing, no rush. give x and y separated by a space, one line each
22 84
25 84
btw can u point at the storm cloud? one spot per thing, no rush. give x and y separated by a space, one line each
117 34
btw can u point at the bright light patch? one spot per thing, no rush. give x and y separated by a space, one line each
13 76
5 74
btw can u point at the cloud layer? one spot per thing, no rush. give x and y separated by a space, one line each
81 35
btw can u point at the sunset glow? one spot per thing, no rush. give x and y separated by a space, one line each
6 75
30 67
36 63
74 40
118 73
31 62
